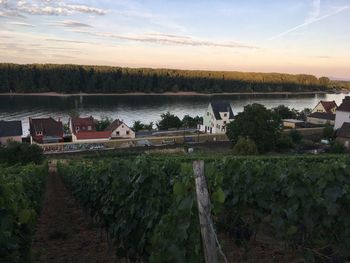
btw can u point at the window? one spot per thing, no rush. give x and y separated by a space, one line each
208 113
122 126
118 133
39 133
89 128
77 128
127 132
225 114
225 122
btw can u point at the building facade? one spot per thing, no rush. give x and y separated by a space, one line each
218 115
10 131
46 130
342 113
119 129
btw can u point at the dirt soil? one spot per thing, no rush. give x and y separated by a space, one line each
64 234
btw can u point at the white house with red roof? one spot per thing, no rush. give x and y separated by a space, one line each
323 113
326 107
84 130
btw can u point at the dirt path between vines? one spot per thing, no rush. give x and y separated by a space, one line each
63 234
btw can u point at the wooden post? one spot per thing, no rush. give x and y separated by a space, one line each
203 201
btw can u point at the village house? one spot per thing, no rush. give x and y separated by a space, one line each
119 129
10 131
45 130
218 115
84 130
326 107
343 135
323 113
342 113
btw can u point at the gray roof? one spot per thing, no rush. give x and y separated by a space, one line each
221 106
344 131
323 116
345 106
10 128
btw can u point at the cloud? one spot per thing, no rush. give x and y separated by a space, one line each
315 10
166 39
10 14
70 23
42 7
21 24
310 21
65 41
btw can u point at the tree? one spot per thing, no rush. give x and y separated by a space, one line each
190 122
295 136
328 132
284 142
259 124
284 112
137 126
245 146
302 115
169 121
102 124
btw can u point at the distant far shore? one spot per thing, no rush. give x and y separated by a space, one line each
55 94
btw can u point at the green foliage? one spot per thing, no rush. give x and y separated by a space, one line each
147 207
284 142
21 190
302 201
337 147
102 124
245 146
169 121
259 124
139 126
283 112
328 132
191 122
21 153
101 79
302 115
295 136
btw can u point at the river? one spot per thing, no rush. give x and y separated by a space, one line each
143 107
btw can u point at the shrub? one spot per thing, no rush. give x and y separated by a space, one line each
295 136
337 147
328 132
284 142
21 153
245 146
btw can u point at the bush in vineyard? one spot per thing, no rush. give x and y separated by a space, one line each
21 189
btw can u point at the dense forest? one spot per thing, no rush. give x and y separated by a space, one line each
103 79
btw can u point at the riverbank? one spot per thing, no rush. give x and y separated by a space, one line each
55 94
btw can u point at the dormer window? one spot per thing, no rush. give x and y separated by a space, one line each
89 128
77 128
39 133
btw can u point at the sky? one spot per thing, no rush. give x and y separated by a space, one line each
293 36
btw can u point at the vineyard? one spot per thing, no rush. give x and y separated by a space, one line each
21 190
148 205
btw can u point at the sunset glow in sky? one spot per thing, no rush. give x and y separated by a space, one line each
296 36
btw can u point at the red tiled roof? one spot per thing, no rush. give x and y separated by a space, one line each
48 126
83 121
90 135
345 106
329 105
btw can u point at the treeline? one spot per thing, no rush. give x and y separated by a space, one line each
103 79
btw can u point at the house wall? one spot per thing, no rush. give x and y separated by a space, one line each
123 129
317 121
290 125
211 125
340 118
5 140
318 108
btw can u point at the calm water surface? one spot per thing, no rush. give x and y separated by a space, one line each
144 108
